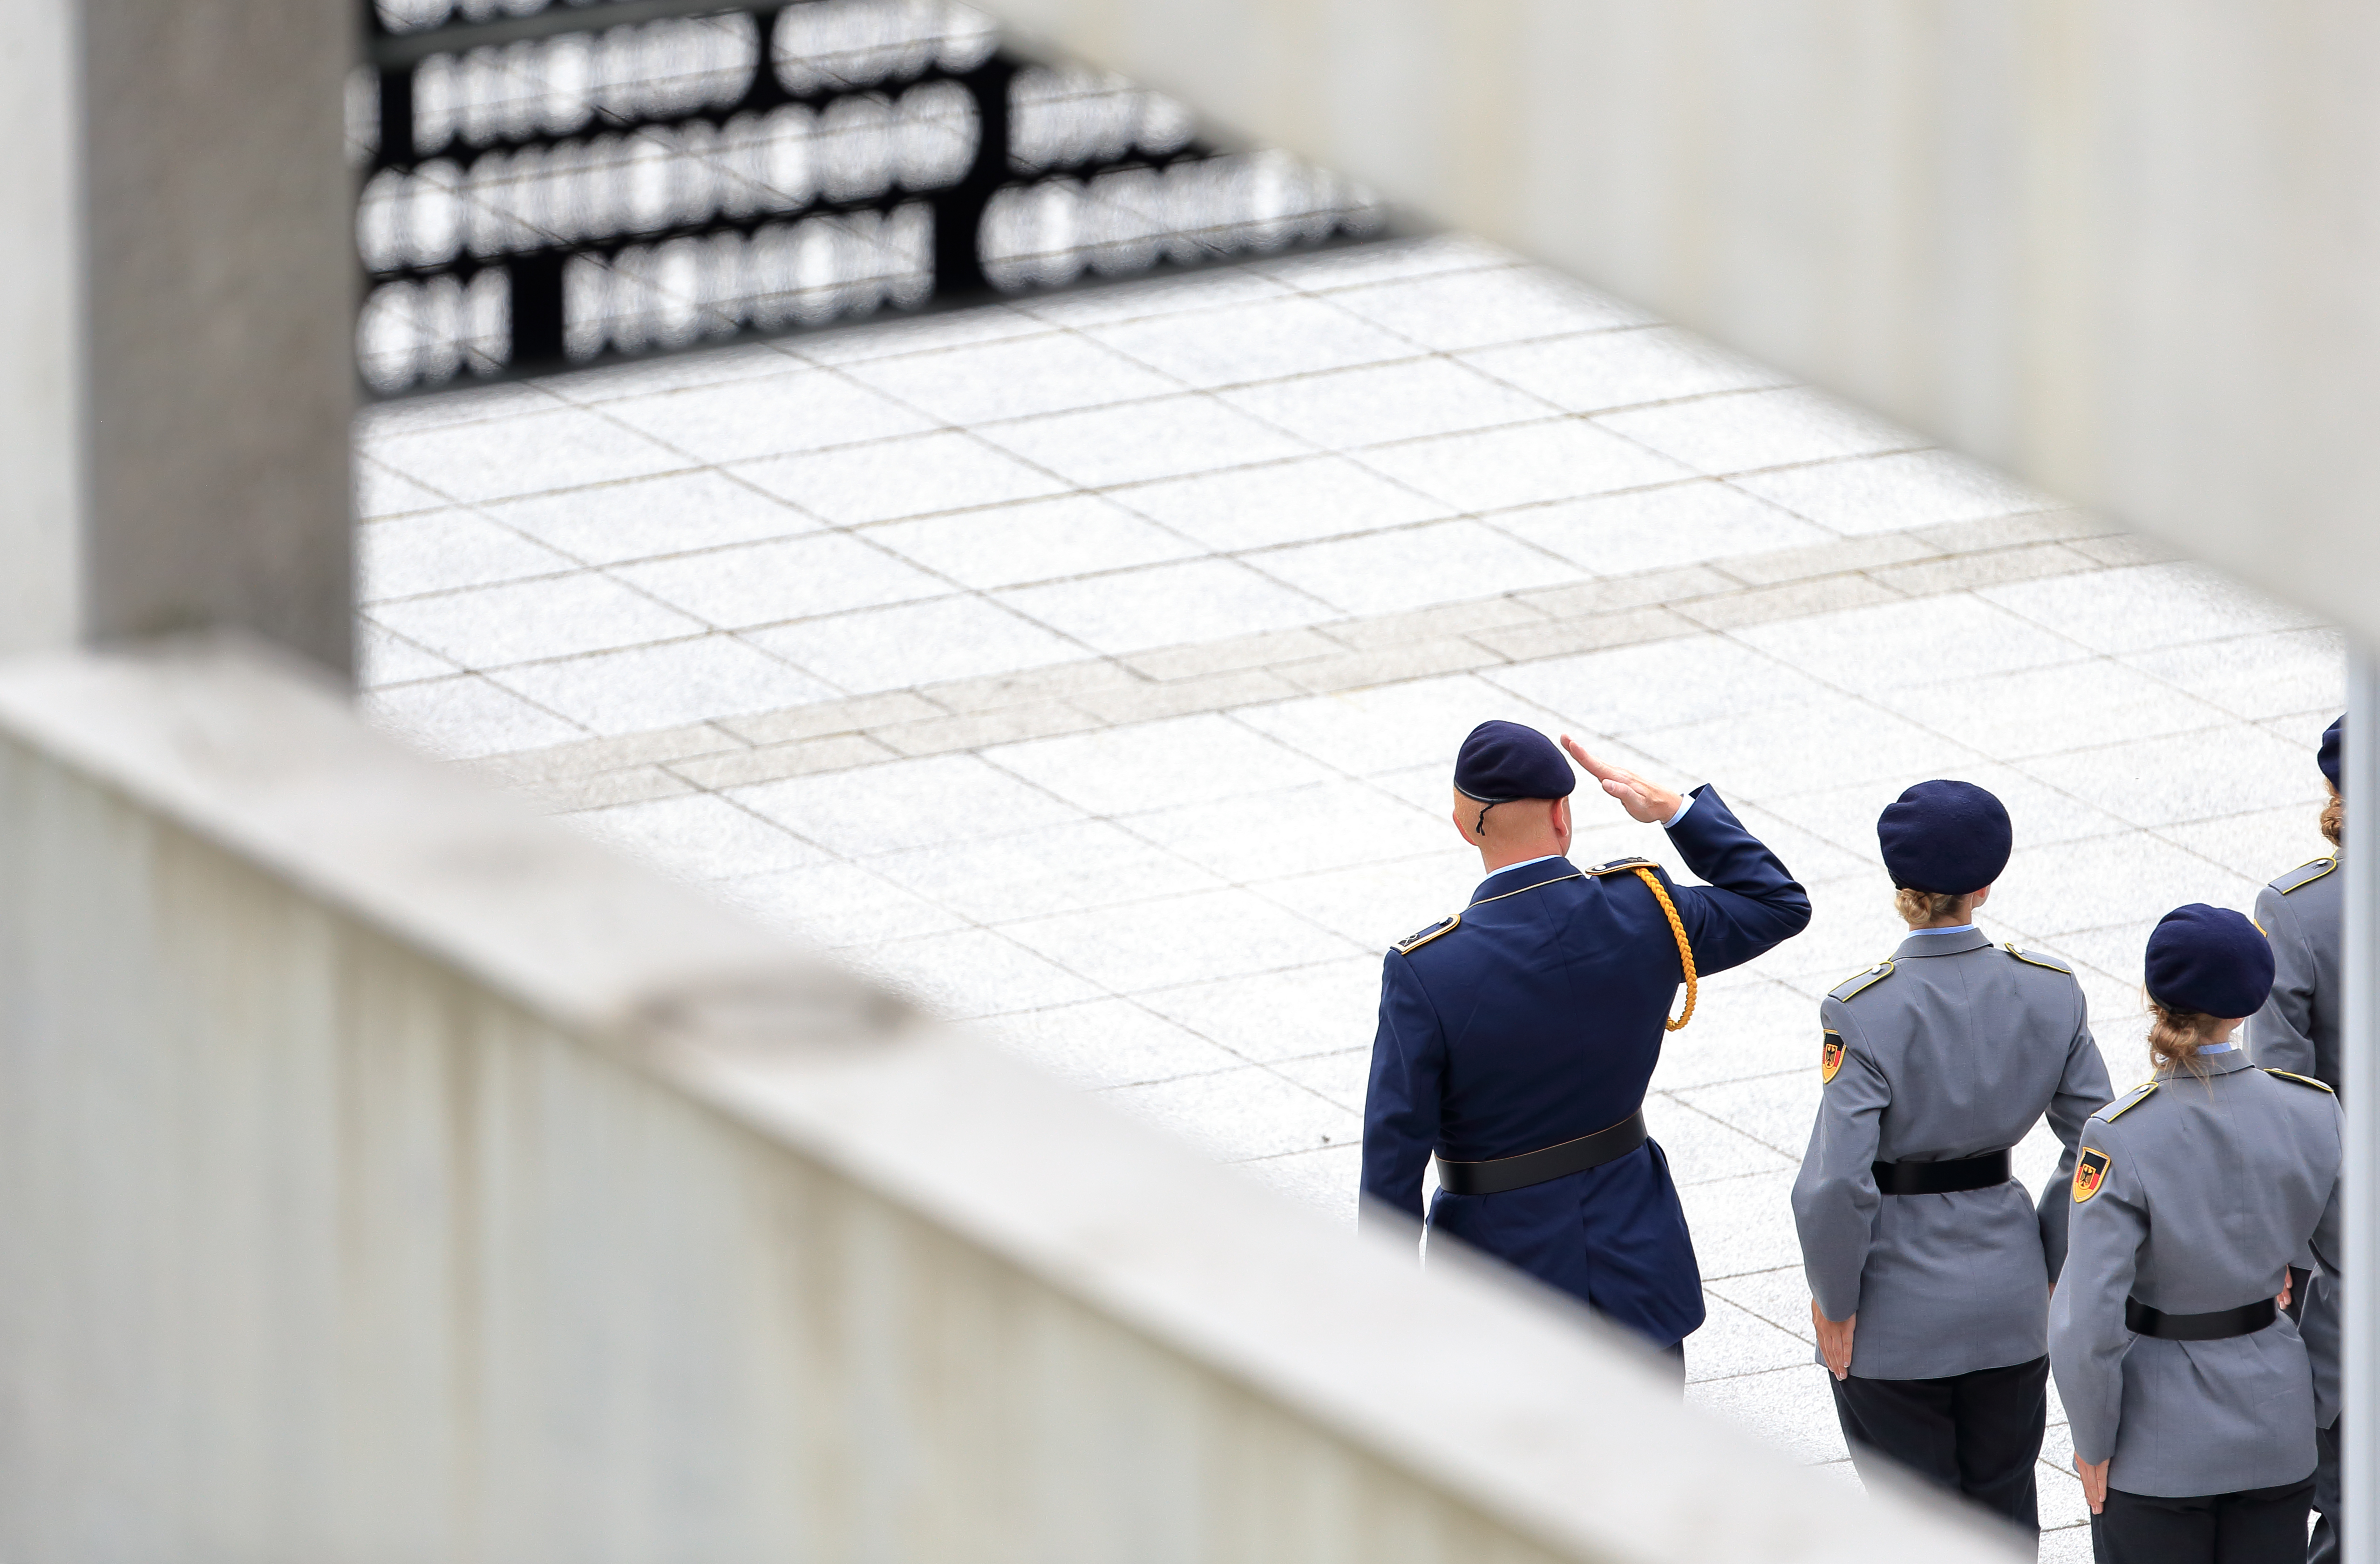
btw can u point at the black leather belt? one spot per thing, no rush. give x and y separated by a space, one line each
1537 1167
2245 1320
1941 1178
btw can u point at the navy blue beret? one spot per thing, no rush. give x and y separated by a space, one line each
1944 837
2210 959
1502 761
2328 756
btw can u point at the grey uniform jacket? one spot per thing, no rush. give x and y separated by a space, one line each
2194 1196
1954 1048
2298 1029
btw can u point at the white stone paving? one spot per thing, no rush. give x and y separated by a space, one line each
1092 668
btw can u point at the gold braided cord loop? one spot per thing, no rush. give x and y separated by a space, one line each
1685 950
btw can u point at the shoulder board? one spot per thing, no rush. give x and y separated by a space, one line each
2304 875
2050 962
1860 982
1421 936
2301 1080
2123 1106
1620 865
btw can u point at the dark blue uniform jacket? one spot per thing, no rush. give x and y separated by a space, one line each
1538 1020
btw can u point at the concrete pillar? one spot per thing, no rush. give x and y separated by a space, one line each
177 303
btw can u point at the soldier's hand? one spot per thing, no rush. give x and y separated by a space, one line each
1834 1339
2095 1482
2281 1300
1644 801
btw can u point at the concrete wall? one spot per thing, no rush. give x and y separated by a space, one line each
385 1173
2125 249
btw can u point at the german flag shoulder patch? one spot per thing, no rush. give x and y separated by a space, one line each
2090 1174
1421 936
1831 1056
2301 1080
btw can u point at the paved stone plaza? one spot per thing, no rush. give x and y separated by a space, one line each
1093 667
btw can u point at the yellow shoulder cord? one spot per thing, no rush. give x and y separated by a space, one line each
1685 950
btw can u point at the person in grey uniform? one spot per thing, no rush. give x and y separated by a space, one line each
2193 1399
2304 913
1930 1265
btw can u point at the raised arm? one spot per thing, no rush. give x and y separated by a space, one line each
1401 1106
1835 1198
2087 1338
2082 1090
2280 1035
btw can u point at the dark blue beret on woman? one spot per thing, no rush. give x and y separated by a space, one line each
2209 960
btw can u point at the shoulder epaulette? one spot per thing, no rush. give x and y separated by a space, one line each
1620 865
2120 1106
2304 875
1861 981
2301 1080
2050 962
1421 936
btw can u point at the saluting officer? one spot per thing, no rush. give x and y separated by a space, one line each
2192 1398
2302 914
1516 1037
1930 1265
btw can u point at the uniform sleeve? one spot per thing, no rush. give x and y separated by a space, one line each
1835 1197
2280 1035
1752 903
2082 1090
2321 1324
1401 1106
2087 1338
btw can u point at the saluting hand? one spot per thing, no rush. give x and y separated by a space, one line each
1644 801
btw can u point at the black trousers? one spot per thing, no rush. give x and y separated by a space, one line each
1976 1434
2327 1546
2254 1526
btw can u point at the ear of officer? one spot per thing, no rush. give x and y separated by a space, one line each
2195 1191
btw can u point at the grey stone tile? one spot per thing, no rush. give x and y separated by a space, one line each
1324 1009
831 717
930 334
980 729
381 492
1813 860
1644 589
1745 1027
2260 845
1366 732
1219 288
1967 572
1386 631
906 804
2257 677
1524 465
1477 309
1631 689
1267 648
1062 868
567 448
917 476
838 904
1167 605
1789 1407
647 517
2129 880
470 404
793 578
1377 904
1742 1224
1262 340
559 616
1782 750
700 838
2146 607
1214 691
917 643
658 746
1895 494
1600 371
1158 765
1597 632
2162 781
1038 541
1780 1297
1239 1114
1702 1147
1013 379
970 973
1798 601
1137 441
1741 431
802 757
1107 1043
666 686
1288 501
802 410
1348 409
1064 681
2034 711
1649 528
2012 531
1137 946
1413 568
1325 1180
1306 829
1735 1341
1773 1111
1895 645
1831 558
441 550
384 656
1339 1078
601 789
2128 549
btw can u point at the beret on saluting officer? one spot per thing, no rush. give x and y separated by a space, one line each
1946 838
2210 959
2327 757
1503 762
